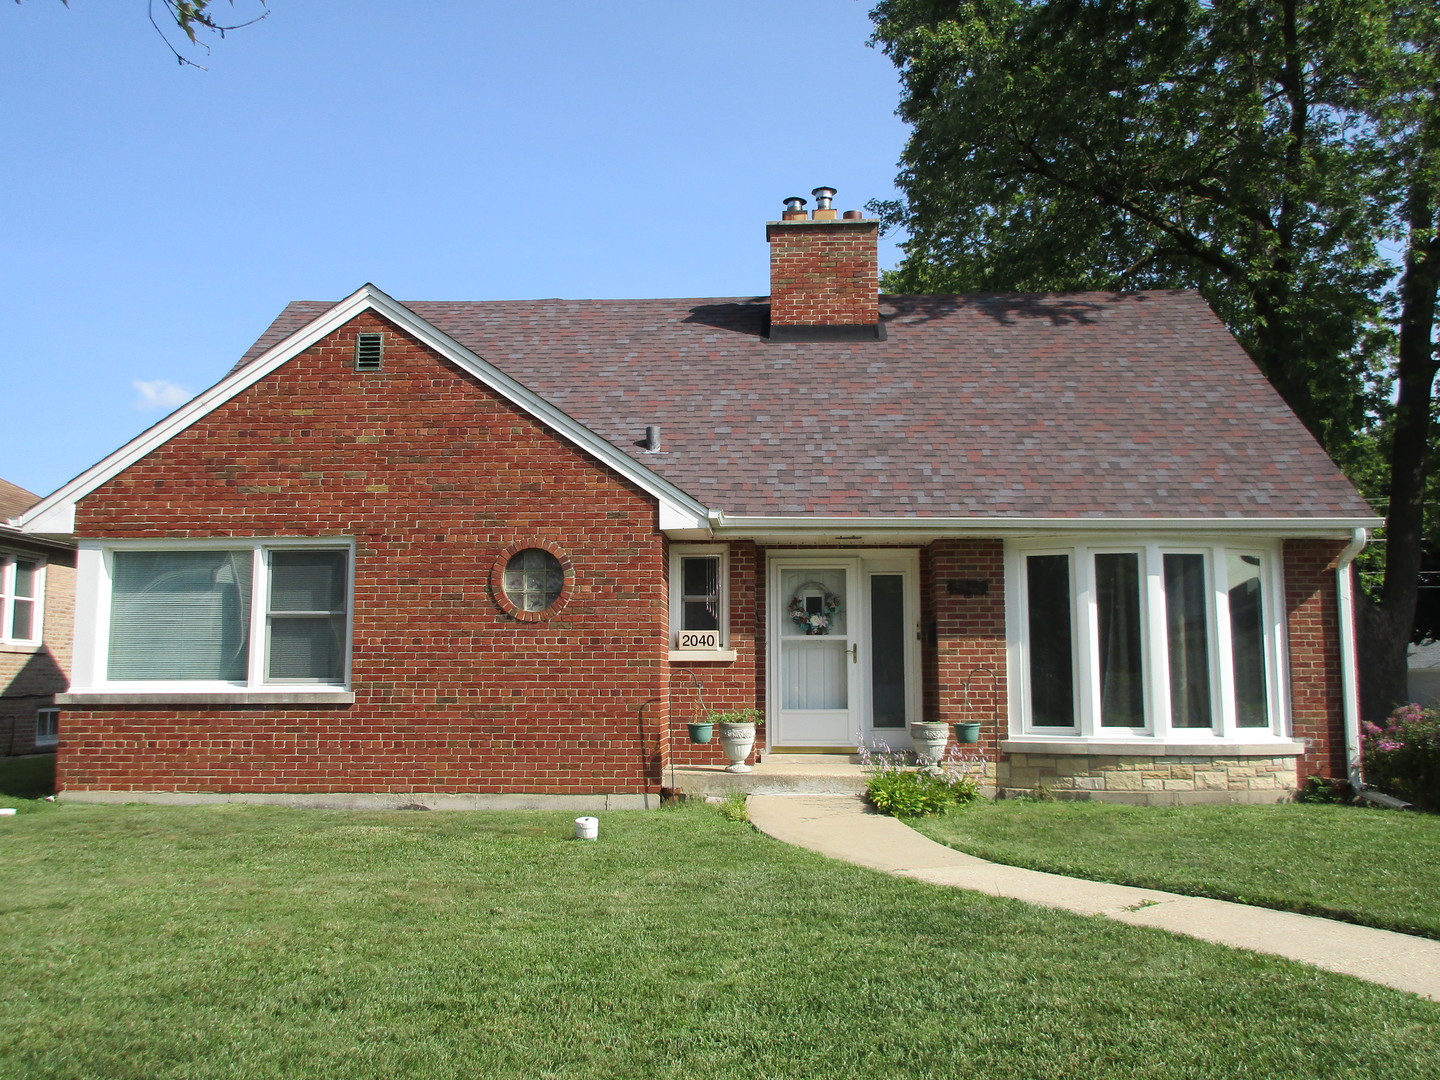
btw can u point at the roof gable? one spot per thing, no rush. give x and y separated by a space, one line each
55 515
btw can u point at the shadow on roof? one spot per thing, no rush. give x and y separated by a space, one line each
747 317
1008 308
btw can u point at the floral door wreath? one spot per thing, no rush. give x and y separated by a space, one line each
814 607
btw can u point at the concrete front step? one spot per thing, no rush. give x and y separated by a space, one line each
777 774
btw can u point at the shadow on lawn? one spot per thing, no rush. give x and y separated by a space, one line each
30 777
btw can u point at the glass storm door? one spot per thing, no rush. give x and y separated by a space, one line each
819 631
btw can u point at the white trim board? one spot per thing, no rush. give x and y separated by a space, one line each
55 515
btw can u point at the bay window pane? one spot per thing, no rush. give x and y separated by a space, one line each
1187 639
1247 640
1117 598
1050 636
181 615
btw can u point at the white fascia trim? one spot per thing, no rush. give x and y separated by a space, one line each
723 525
55 515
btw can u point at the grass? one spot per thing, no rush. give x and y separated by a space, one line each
227 942
27 777
1375 867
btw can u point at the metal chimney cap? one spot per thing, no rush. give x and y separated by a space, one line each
823 195
795 202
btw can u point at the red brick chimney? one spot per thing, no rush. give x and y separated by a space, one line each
824 273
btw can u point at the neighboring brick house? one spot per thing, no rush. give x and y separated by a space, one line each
37 612
461 548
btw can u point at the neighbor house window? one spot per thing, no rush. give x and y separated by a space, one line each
47 728
21 587
1147 640
699 619
247 614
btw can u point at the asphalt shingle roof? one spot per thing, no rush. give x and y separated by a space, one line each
1067 405
14 500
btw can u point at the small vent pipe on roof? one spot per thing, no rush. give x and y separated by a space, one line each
652 438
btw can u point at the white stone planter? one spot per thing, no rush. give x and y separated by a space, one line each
737 740
929 740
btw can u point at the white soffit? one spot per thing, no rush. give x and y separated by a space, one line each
55 515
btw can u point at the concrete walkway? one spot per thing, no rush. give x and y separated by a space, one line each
843 827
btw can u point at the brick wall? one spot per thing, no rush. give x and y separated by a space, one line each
739 684
964 634
824 273
434 477
1312 632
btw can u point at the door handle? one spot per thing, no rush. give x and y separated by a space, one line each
855 653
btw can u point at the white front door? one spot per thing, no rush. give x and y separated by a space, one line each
844 655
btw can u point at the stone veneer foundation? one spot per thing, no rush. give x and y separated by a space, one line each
1149 780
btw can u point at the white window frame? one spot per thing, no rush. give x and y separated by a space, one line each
7 600
94 578
677 606
47 740
1085 645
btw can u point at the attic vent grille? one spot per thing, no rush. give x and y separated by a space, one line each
369 349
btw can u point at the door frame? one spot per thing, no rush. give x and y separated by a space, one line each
868 561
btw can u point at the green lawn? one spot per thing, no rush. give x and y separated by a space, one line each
1376 867
246 942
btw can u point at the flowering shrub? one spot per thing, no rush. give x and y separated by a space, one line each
1403 757
896 789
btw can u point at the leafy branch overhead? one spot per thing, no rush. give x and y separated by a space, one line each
192 17
1281 156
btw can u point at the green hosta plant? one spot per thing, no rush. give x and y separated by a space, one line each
896 789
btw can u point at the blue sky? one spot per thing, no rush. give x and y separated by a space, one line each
158 216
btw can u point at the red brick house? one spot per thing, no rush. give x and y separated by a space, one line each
439 548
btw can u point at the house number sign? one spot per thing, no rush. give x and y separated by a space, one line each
699 639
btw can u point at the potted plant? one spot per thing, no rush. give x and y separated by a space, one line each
737 735
701 731
929 738
967 731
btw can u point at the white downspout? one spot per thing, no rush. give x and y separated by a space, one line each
1349 688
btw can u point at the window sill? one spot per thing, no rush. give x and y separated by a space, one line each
86 698
22 647
1153 747
702 656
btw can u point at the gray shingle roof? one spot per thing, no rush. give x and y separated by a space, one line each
1068 405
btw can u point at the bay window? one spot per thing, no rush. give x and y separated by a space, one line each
1147 640
236 613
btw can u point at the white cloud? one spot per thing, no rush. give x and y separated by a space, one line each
159 394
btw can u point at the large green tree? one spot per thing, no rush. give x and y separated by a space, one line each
1282 156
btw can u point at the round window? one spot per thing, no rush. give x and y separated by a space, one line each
533 579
